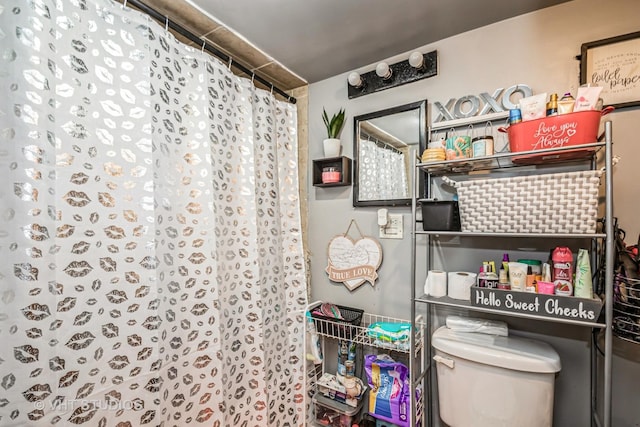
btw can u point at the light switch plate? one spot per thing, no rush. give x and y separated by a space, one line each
394 228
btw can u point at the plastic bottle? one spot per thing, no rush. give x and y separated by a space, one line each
552 105
481 277
314 351
505 263
503 279
567 97
546 272
515 116
343 356
530 283
583 286
350 368
346 351
566 103
562 261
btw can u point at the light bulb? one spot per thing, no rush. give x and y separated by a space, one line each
416 60
383 71
355 80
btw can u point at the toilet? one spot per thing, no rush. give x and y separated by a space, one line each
493 381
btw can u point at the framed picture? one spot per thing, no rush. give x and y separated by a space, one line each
614 64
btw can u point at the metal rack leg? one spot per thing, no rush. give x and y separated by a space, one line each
429 378
594 377
608 338
412 348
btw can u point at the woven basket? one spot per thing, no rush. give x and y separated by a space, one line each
550 203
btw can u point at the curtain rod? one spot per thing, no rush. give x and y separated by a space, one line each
208 47
385 144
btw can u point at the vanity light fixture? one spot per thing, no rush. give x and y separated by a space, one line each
383 71
418 66
355 80
416 60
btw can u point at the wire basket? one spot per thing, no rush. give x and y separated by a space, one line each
626 308
341 328
359 333
545 203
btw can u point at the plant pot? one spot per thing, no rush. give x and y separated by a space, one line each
331 147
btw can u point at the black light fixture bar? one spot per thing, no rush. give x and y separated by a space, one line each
401 73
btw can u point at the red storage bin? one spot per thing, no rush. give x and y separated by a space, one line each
566 130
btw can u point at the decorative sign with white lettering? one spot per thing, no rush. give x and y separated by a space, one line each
554 134
353 262
552 306
613 64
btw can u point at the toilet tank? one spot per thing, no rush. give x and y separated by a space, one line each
492 381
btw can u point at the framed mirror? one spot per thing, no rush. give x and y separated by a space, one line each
383 143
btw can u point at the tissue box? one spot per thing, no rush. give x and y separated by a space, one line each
329 386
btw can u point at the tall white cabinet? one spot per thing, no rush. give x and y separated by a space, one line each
600 242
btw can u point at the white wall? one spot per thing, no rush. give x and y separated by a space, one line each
536 49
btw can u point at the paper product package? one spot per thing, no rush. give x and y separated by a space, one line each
330 386
482 326
390 389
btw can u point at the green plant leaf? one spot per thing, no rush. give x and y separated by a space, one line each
325 118
334 126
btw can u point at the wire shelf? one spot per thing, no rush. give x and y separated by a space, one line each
505 160
359 333
626 309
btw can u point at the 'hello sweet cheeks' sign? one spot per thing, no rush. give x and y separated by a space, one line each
552 306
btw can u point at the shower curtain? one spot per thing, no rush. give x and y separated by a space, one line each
383 173
152 267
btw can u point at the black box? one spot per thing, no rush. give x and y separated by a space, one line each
440 215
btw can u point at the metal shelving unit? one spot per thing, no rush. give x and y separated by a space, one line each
426 376
359 334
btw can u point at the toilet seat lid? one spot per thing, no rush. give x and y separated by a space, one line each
516 353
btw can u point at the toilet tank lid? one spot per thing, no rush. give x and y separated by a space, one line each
516 353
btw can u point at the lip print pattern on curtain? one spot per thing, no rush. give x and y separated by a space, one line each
149 278
383 173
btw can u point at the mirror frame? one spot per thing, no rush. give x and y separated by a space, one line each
421 106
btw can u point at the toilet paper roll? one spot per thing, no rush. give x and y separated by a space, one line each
436 283
459 284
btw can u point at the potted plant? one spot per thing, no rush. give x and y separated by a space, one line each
332 143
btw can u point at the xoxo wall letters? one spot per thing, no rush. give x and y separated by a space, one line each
469 106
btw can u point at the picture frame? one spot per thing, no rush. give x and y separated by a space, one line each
614 64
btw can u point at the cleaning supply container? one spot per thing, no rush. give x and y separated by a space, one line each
328 412
492 381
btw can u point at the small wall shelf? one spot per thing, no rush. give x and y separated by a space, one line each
342 164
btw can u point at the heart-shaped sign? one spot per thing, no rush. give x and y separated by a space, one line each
353 263
571 132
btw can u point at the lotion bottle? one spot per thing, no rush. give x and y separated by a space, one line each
552 105
530 284
505 263
503 279
566 104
